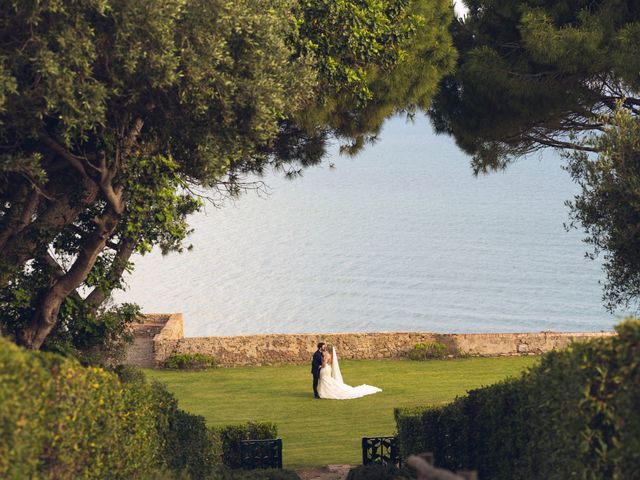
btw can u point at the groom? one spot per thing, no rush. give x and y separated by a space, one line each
316 364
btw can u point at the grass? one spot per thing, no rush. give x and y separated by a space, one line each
324 432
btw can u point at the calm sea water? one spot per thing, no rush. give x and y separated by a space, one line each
401 237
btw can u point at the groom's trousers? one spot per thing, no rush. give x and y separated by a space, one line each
315 385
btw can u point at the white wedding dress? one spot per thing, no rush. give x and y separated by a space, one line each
332 387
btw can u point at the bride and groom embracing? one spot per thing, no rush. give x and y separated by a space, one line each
327 379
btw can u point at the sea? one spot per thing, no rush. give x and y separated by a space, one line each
401 237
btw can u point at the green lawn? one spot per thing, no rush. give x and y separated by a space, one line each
322 432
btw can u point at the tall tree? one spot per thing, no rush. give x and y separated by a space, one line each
114 112
540 74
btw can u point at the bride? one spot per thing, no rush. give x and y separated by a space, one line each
331 385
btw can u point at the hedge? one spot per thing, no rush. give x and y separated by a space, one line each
59 419
575 415
231 435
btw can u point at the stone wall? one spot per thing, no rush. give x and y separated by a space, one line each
142 353
165 343
298 348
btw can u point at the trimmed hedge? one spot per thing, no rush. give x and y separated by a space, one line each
59 419
575 415
231 435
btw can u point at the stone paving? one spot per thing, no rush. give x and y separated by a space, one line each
330 472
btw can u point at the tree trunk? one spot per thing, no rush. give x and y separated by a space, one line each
46 315
99 295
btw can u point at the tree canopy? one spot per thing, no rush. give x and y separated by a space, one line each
557 74
114 113
533 74
608 205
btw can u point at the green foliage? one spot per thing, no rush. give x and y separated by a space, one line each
608 206
430 350
529 75
380 472
190 361
231 435
59 419
348 37
191 446
98 336
186 444
116 115
404 76
574 415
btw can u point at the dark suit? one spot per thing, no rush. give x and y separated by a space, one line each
316 365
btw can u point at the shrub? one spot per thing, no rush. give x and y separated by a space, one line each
190 361
186 443
573 416
191 446
59 419
430 350
231 435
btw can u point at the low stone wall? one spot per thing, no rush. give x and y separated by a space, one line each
298 348
165 343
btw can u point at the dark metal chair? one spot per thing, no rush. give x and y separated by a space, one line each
261 453
380 450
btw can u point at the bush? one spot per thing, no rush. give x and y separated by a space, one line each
431 350
191 446
573 416
231 435
186 443
190 361
59 419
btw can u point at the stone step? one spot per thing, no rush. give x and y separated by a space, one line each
140 354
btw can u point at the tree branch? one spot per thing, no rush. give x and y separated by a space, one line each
57 271
98 295
112 195
75 161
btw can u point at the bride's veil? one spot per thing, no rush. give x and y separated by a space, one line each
335 368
